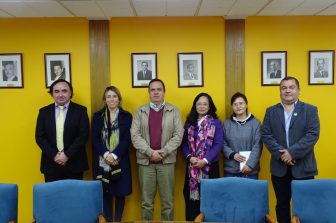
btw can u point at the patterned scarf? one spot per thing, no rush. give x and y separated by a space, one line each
110 136
200 139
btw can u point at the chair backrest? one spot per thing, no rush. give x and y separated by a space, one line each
8 202
68 201
234 199
314 200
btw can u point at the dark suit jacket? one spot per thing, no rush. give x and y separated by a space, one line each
123 186
276 74
148 75
76 131
5 78
318 74
304 132
60 77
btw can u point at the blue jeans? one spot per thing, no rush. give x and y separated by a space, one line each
250 176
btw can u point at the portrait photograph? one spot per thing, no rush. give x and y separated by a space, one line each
144 69
190 69
11 71
321 67
57 66
273 67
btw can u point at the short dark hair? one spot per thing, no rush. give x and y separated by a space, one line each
290 78
5 63
56 63
238 95
156 80
190 65
193 115
144 62
51 88
115 90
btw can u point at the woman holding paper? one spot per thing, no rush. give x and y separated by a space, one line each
202 142
242 141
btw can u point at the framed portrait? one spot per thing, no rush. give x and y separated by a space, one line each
190 69
273 67
11 70
321 67
57 66
144 69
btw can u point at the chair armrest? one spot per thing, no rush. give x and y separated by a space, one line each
101 219
295 219
269 219
199 217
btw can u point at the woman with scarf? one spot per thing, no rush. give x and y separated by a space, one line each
202 142
111 141
242 141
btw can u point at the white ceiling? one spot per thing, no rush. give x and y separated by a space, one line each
105 9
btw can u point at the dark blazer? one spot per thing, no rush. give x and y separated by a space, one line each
304 132
276 74
123 186
148 75
323 73
5 78
76 131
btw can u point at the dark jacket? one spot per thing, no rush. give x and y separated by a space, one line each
122 186
76 131
304 131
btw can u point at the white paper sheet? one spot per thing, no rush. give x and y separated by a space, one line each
246 154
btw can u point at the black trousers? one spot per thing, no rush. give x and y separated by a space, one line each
283 193
192 208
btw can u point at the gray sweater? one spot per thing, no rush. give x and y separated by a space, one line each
242 137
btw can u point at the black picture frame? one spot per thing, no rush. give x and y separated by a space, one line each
321 67
144 69
190 69
273 67
11 70
57 66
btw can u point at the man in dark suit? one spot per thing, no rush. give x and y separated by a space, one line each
289 131
275 72
144 73
320 72
9 73
62 130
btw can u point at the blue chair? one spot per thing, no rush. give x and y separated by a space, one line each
68 201
8 202
314 201
234 199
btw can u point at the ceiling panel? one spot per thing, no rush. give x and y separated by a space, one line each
312 7
243 8
116 8
182 8
150 7
280 7
18 9
49 9
329 11
215 7
4 14
83 8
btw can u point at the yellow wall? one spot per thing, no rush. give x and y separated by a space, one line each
296 35
167 37
19 154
